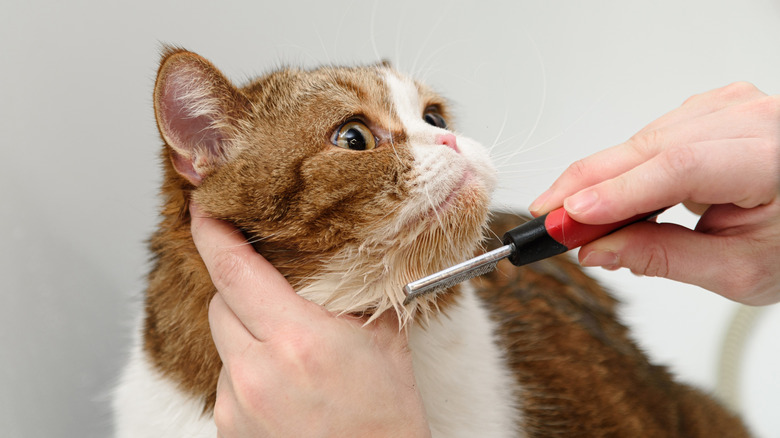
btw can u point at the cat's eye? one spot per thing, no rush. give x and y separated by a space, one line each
434 118
355 135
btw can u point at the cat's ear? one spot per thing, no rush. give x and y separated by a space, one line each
196 109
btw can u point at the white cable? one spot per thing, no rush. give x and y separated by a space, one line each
732 354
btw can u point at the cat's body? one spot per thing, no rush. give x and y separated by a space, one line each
348 181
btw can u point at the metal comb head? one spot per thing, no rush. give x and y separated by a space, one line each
449 277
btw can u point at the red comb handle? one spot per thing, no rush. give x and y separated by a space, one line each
556 232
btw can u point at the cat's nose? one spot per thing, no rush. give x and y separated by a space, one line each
448 140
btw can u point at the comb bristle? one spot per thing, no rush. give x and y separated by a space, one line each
451 276
446 283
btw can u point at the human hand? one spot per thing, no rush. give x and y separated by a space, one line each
290 368
719 154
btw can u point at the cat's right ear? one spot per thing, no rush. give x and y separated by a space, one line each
197 110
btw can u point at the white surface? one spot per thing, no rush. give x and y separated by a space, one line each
551 81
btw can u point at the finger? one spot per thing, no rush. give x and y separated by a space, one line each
253 289
695 207
225 409
230 335
673 252
586 172
707 173
669 130
387 328
706 103
658 250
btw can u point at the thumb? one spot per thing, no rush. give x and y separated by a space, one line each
666 250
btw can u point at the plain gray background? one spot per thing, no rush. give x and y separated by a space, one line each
545 82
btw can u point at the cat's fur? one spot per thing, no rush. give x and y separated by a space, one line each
535 351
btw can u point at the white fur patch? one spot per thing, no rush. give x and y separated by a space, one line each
439 168
466 386
147 405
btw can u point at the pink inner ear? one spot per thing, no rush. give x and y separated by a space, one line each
185 168
189 113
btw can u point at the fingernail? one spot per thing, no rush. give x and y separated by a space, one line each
581 202
606 259
538 204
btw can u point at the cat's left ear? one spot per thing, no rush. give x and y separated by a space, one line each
197 110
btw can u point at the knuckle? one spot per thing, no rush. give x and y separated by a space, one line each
680 161
577 169
767 107
694 98
214 308
654 263
224 408
228 269
248 388
738 90
736 286
747 282
300 353
224 416
645 142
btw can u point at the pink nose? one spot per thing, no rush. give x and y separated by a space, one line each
448 140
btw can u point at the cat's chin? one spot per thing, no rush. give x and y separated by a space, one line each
466 180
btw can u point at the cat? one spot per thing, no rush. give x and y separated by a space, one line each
352 182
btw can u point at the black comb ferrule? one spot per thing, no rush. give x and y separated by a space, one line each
532 242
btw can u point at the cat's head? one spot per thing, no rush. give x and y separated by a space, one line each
349 180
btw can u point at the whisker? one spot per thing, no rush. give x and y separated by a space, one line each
425 43
372 30
322 45
544 91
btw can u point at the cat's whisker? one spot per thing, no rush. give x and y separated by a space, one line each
336 46
391 109
543 97
502 142
395 151
372 30
521 164
421 47
397 44
322 45
500 131
424 72
305 52
509 156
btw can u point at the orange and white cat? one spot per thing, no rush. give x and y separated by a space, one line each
351 182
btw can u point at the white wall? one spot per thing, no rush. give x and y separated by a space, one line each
551 81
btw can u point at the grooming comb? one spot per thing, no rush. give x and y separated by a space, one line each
546 236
